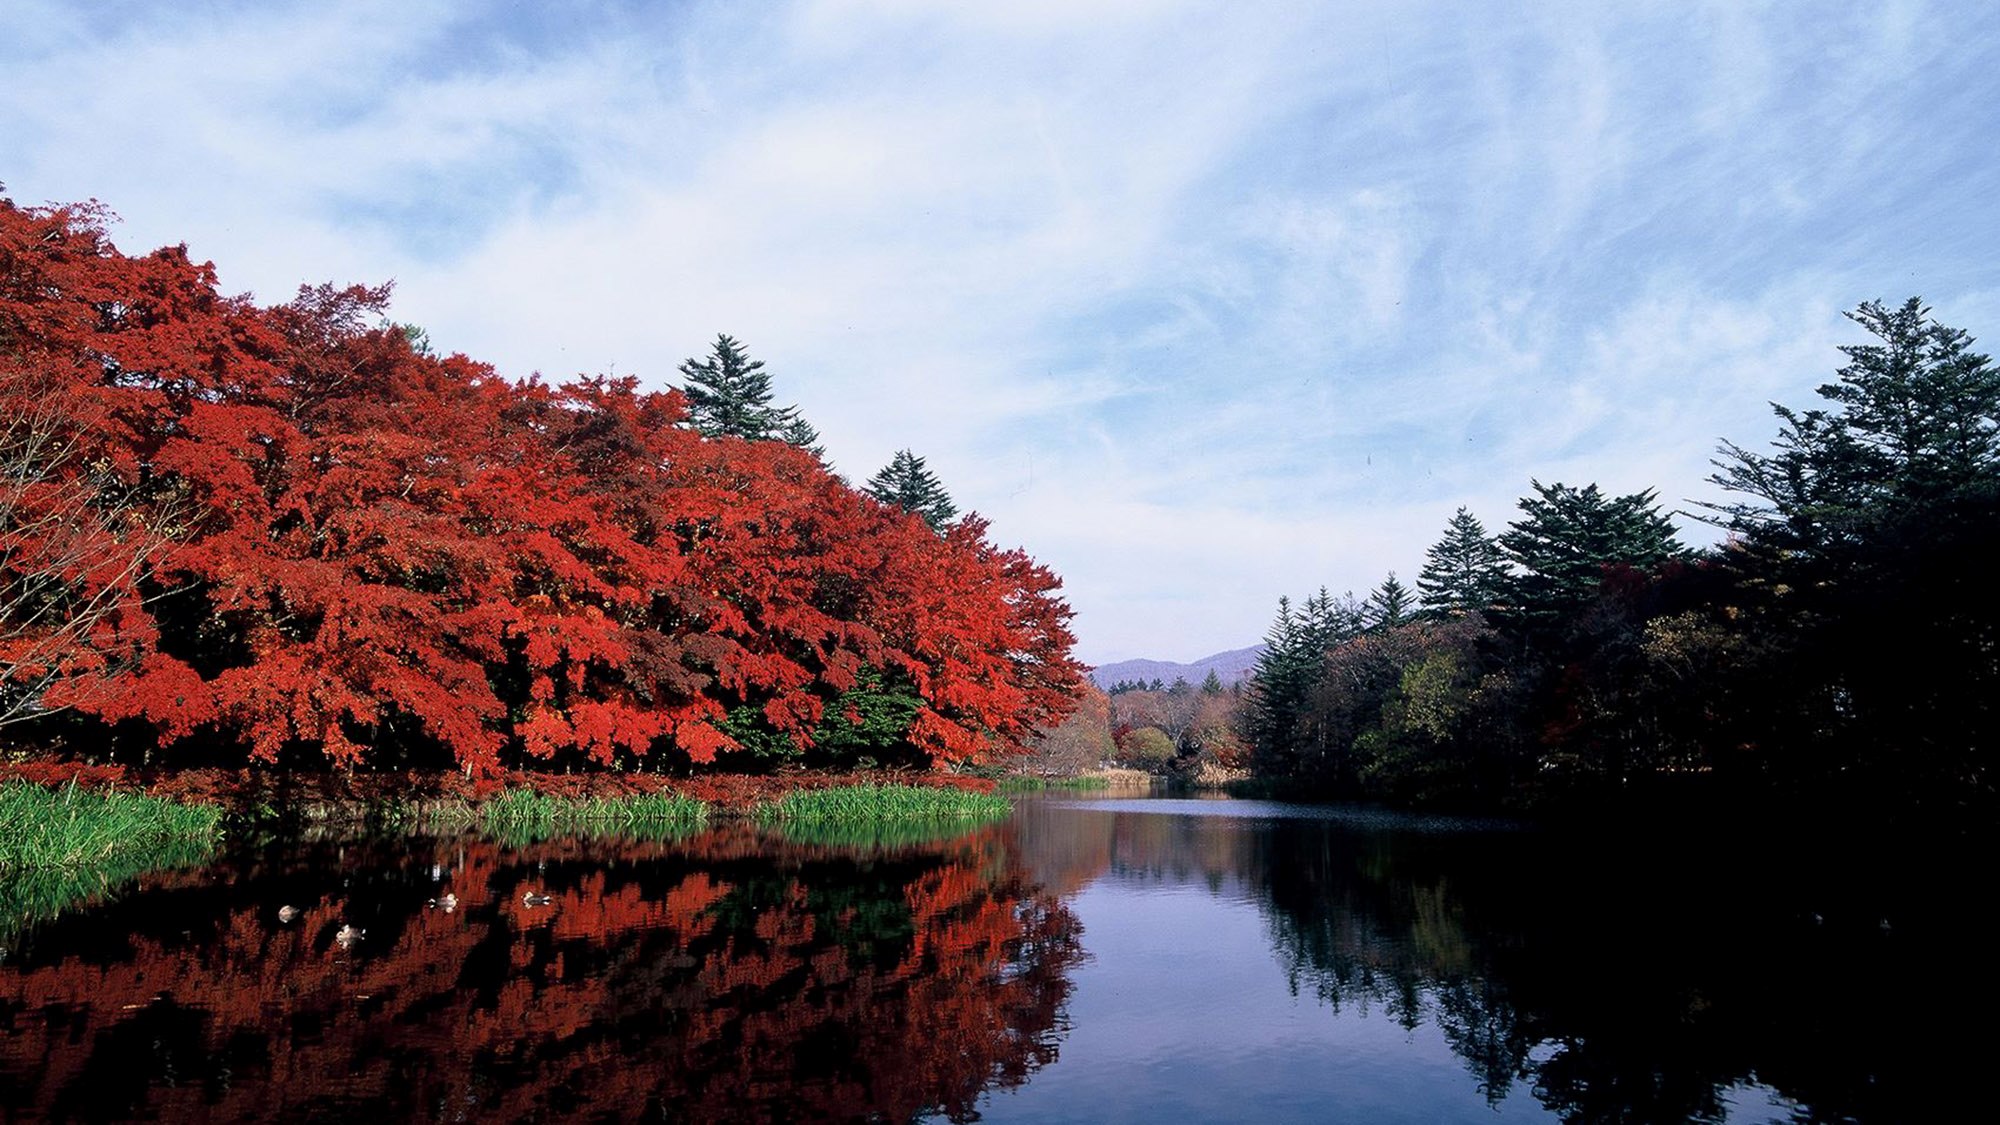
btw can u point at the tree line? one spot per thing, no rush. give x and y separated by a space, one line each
295 533
1839 646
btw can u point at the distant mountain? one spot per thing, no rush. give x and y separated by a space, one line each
1229 666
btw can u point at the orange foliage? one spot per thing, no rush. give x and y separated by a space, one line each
371 545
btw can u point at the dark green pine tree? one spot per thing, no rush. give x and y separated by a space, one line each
1328 622
1922 401
1278 686
729 395
1287 671
1389 605
1869 533
907 484
795 430
1917 422
1567 536
1464 572
1212 684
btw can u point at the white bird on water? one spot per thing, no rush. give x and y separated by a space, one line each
348 935
532 899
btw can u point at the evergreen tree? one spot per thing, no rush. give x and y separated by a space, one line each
1278 685
1212 685
1921 401
907 484
1328 621
1389 605
1463 572
1916 422
1567 537
1287 670
1870 532
729 395
1814 490
795 430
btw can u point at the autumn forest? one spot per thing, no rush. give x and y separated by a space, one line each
382 734
294 534
297 535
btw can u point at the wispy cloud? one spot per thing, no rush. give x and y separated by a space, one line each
1202 303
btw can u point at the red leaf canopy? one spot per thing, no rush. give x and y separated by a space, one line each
354 543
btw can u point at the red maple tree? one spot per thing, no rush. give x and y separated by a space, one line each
354 546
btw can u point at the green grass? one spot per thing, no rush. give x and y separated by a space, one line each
42 829
525 808
866 804
1022 783
62 847
519 817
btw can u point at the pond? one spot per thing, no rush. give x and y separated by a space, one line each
1087 960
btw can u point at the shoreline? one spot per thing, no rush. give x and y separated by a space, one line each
329 796
119 812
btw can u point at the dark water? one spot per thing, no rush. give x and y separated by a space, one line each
1087 961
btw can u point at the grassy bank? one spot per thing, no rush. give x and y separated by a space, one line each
103 815
863 804
523 815
69 828
60 847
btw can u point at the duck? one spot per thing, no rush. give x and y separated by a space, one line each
531 899
446 902
348 935
287 913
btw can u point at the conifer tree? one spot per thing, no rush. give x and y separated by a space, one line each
1921 401
1281 683
1464 571
907 484
729 395
1389 605
1278 687
1567 536
795 430
1917 421
1328 621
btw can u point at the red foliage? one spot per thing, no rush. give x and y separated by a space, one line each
719 978
53 774
370 545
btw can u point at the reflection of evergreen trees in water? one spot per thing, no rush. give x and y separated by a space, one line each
725 977
1625 981
1348 929
1630 985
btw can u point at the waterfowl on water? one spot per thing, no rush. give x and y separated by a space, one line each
287 913
533 899
447 902
348 935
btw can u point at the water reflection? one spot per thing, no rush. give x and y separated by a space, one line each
730 975
1246 962
1657 980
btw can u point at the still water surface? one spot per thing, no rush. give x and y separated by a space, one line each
1088 960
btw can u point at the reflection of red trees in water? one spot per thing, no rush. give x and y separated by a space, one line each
719 978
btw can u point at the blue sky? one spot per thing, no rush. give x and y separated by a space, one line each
1199 303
